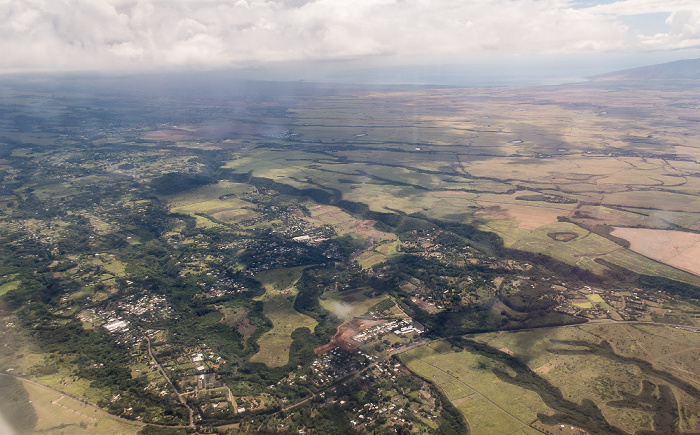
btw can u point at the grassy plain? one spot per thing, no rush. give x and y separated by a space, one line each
278 306
573 360
584 248
561 357
345 224
219 201
59 414
12 285
488 404
469 155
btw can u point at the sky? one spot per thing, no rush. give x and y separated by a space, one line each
307 37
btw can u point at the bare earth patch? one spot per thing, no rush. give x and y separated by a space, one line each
238 318
529 217
345 331
173 134
543 370
335 216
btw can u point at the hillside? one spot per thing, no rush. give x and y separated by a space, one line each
679 70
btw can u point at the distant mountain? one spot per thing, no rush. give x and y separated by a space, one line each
679 70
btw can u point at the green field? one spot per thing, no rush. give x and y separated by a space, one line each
488 404
59 414
597 300
574 360
560 356
220 201
12 285
587 246
427 167
278 306
411 191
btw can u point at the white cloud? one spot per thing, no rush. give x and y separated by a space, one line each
684 32
638 7
143 34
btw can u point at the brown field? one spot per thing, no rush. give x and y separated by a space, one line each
345 223
675 248
170 135
657 200
529 217
238 318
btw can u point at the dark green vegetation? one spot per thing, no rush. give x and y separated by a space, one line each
145 254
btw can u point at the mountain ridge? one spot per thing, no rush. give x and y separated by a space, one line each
688 69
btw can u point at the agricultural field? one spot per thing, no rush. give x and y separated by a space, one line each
598 301
489 405
346 224
679 249
574 245
278 306
60 414
606 364
513 166
579 362
220 201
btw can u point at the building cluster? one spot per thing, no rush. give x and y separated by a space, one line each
398 326
224 285
336 364
147 307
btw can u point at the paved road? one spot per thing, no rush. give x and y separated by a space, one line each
179 396
422 342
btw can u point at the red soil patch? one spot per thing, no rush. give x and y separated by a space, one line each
342 338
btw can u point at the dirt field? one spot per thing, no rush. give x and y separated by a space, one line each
238 318
170 135
675 248
529 217
329 215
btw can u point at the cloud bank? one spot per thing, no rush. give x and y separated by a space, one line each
123 35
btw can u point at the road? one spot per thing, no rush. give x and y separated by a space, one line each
425 342
167 378
422 342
